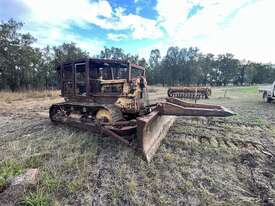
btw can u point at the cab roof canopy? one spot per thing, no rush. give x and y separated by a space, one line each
102 61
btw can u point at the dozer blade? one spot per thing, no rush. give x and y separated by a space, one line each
178 107
151 129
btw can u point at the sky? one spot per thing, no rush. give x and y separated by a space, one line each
242 27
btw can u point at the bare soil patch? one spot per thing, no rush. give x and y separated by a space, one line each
214 161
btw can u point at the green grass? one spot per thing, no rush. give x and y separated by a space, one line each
37 160
245 90
193 164
8 169
76 184
50 182
132 185
38 198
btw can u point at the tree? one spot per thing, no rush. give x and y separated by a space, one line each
68 52
22 66
16 55
154 69
227 67
207 64
113 53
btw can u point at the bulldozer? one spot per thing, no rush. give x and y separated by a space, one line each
189 92
111 97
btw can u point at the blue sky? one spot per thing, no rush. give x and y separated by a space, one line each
242 27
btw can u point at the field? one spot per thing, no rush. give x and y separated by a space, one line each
215 161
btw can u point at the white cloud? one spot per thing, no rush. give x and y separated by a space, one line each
172 14
242 27
250 34
52 21
116 37
83 12
67 11
174 17
54 36
144 52
141 27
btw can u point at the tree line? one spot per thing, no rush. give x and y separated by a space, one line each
190 66
24 66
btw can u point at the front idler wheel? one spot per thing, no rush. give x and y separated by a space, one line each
53 111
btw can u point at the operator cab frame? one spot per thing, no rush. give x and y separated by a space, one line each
86 78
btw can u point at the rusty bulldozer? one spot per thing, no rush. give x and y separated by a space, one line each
110 97
189 92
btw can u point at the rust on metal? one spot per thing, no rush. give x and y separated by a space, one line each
110 97
151 129
190 92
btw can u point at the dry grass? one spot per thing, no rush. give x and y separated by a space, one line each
23 101
222 161
8 96
154 89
